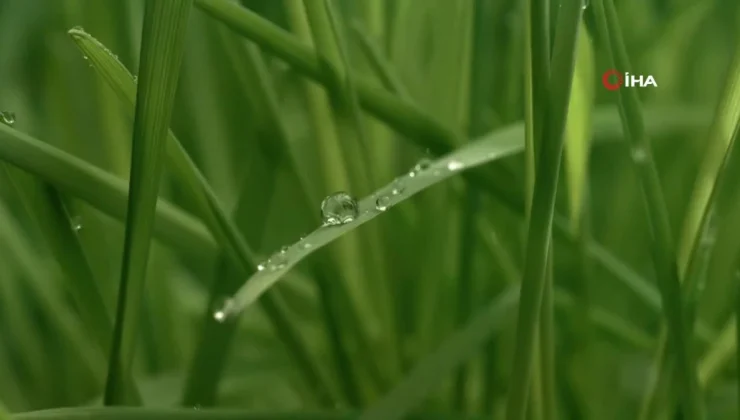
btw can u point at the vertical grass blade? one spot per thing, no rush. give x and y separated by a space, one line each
693 253
543 206
664 255
163 35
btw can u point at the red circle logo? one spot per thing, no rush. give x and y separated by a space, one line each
610 85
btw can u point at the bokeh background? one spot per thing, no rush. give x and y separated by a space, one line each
423 268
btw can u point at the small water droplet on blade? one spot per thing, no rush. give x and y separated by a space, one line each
398 187
454 165
382 203
224 311
76 223
338 209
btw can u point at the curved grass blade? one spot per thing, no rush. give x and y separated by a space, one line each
499 144
227 235
122 83
163 40
101 190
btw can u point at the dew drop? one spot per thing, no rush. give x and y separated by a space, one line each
224 311
261 267
279 260
398 187
420 167
382 203
306 245
584 5
338 209
7 118
454 165
76 223
639 154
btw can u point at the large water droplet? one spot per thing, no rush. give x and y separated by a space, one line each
7 118
338 209
454 165
224 310
584 5
382 203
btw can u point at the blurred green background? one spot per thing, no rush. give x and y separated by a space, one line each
460 61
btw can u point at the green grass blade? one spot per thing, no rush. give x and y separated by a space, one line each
454 350
664 256
47 208
102 190
109 194
464 343
228 236
165 25
122 83
380 66
129 413
694 252
543 205
406 119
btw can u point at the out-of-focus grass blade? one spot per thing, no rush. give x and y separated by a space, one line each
453 351
664 255
577 128
501 144
130 413
108 193
46 207
102 190
403 117
543 204
693 250
718 355
122 82
163 36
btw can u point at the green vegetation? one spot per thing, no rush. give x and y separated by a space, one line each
374 210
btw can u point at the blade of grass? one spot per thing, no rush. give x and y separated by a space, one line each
500 144
129 413
101 190
693 250
463 36
537 75
330 125
406 119
108 193
664 256
543 205
163 35
48 210
227 234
